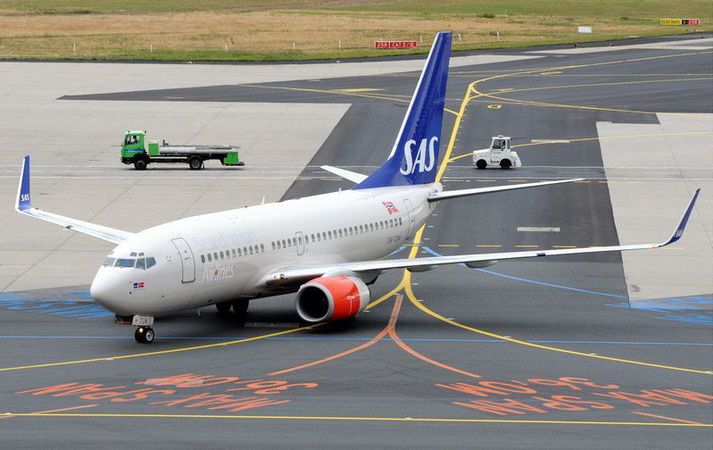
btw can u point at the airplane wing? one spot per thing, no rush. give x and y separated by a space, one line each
290 276
23 206
346 174
436 196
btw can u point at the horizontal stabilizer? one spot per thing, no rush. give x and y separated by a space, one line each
346 174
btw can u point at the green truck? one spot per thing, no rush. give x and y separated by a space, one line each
135 151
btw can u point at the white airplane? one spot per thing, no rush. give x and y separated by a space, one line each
327 247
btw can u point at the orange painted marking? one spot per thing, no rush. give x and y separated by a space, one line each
359 348
389 330
49 411
672 419
71 408
397 340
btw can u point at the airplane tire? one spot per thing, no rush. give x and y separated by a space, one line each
481 164
223 308
240 307
505 164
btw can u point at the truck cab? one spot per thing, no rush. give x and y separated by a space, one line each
498 155
133 150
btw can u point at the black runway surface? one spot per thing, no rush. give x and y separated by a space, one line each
538 354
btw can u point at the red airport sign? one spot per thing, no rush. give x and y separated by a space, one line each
395 44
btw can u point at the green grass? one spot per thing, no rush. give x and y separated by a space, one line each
30 29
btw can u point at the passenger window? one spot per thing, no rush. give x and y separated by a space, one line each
209 258
279 246
202 258
215 256
141 264
340 233
150 262
313 236
262 247
299 240
234 253
273 245
329 233
222 255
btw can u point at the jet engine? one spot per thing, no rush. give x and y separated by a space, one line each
332 298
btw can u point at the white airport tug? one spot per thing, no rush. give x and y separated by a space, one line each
498 155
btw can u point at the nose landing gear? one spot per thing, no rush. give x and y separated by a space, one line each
144 334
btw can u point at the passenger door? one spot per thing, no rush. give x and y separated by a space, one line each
300 243
411 217
188 265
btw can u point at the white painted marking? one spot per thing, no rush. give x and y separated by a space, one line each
550 141
271 325
539 229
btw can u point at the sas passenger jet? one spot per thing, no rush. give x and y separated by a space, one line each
327 248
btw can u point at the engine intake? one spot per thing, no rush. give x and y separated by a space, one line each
332 298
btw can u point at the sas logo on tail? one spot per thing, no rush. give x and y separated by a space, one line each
425 158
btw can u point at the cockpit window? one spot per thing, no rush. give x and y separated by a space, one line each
150 262
125 262
141 264
109 262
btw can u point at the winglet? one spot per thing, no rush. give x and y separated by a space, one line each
684 220
23 190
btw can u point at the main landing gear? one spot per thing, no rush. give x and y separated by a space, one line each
144 334
240 307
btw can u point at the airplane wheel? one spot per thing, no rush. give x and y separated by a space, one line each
144 335
505 164
223 308
481 164
240 307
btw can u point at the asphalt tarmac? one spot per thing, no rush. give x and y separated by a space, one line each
529 354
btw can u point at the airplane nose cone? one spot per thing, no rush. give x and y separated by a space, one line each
107 291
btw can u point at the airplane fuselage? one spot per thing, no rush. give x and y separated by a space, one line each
225 256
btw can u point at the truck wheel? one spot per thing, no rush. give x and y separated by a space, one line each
481 164
140 164
195 162
505 164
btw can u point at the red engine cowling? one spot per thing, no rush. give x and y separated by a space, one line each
332 298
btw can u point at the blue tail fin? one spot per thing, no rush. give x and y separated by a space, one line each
414 157
23 190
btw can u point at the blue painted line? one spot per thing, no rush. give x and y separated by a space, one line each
363 339
65 308
539 283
